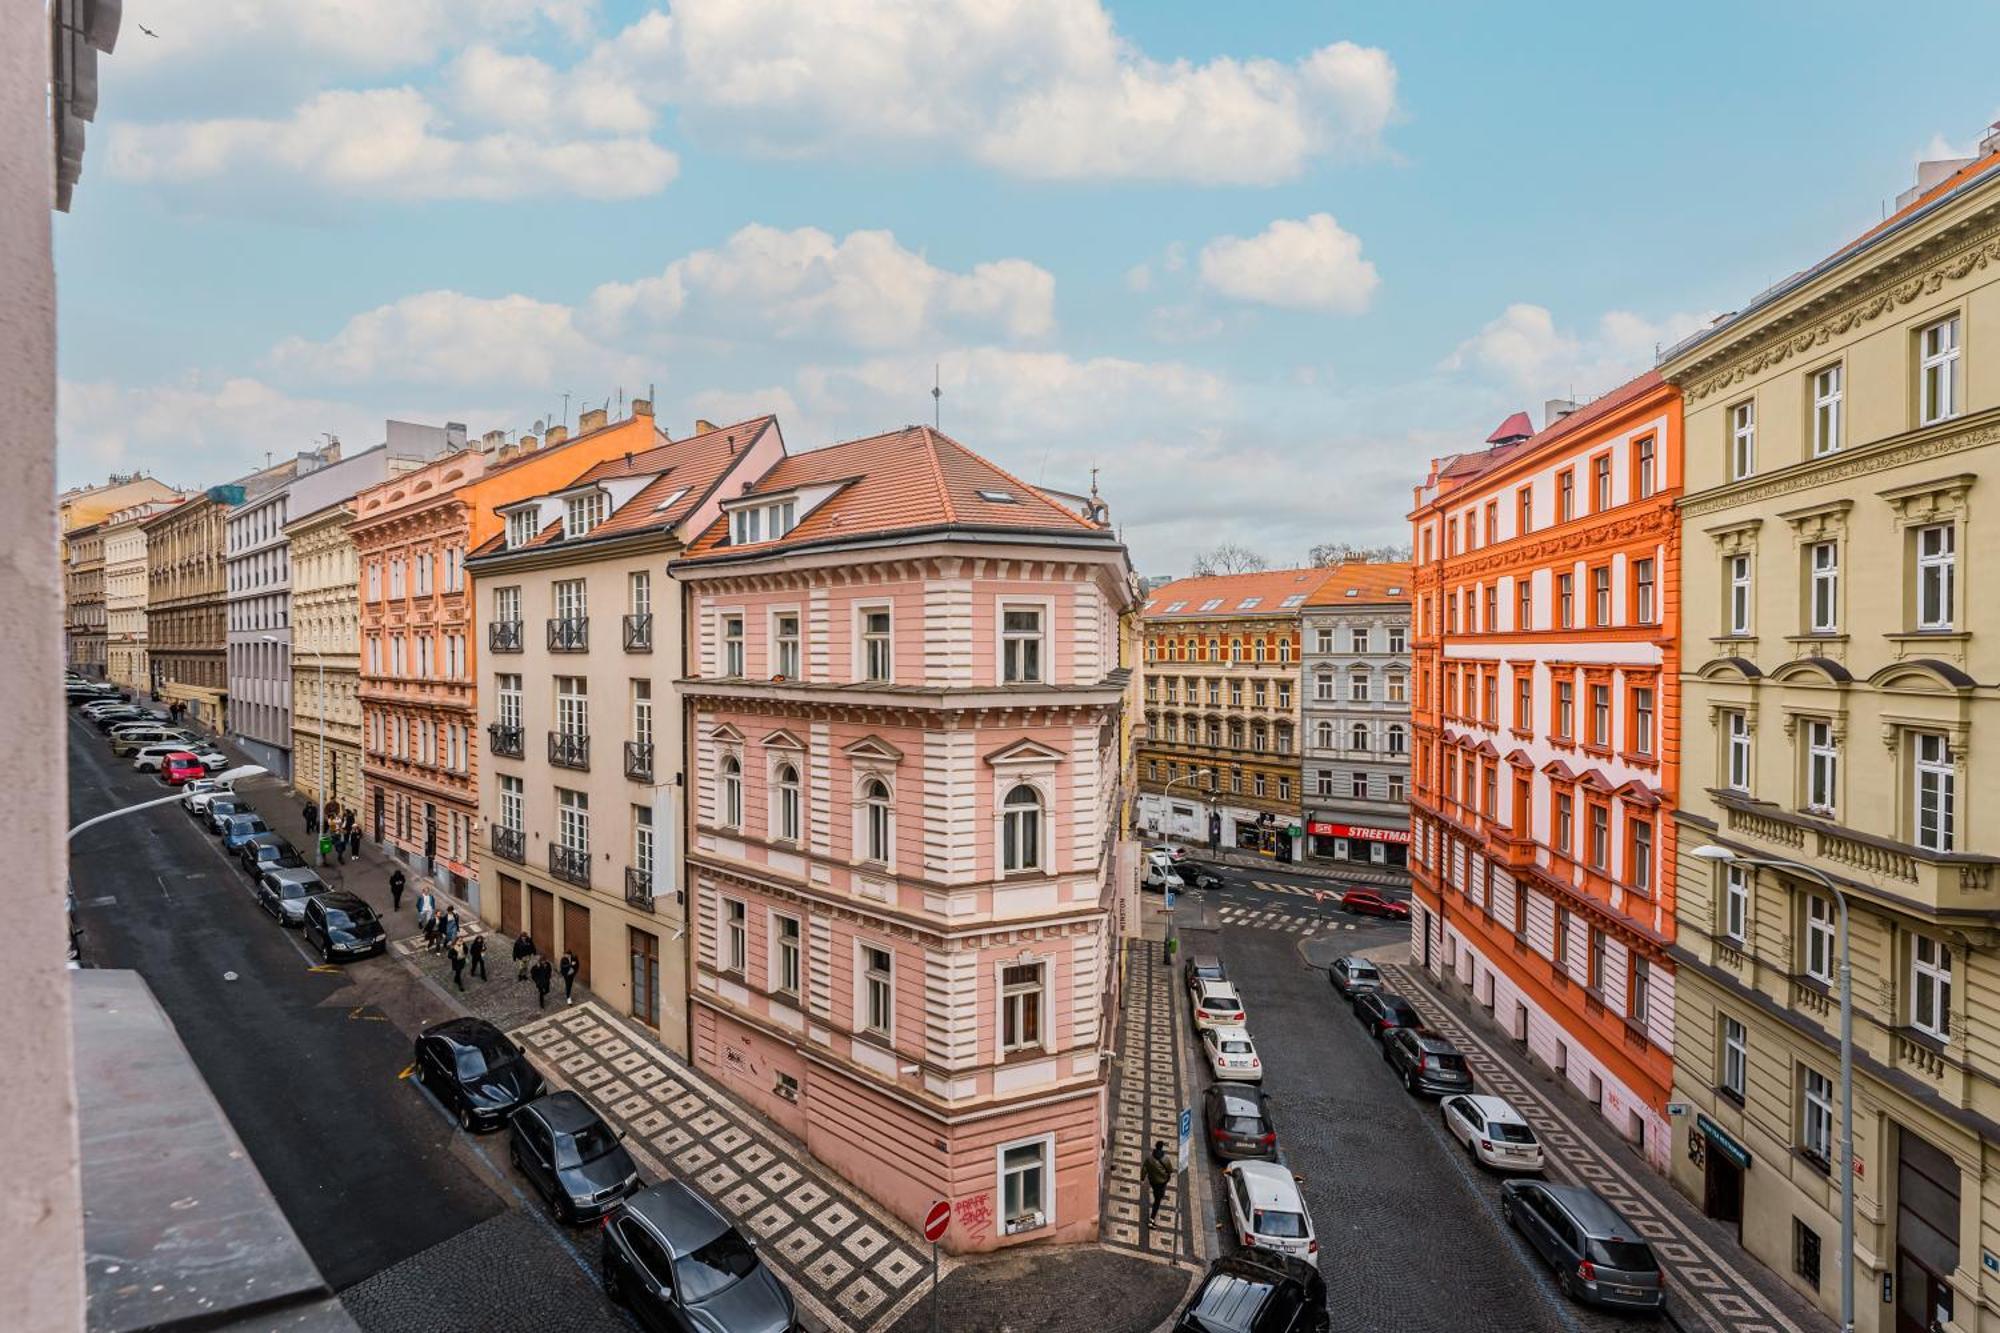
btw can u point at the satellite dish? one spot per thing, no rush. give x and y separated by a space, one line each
540 425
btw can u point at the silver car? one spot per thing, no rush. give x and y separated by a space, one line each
283 892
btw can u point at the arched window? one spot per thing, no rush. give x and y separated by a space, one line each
1323 735
788 803
1021 839
875 798
732 792
1395 738
1358 738
1258 646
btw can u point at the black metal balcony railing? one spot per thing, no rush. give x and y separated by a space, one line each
639 760
639 634
570 864
509 844
503 740
639 888
569 634
569 749
504 636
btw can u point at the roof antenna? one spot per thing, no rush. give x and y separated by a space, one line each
565 416
937 399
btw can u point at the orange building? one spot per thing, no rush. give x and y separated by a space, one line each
1545 714
419 700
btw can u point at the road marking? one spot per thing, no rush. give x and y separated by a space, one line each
358 1012
407 1071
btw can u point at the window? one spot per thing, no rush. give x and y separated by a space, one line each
1937 373
1805 1253
1323 687
785 933
1737 729
1936 793
877 649
1566 496
1524 500
1937 575
1357 641
572 705
1397 787
573 819
1600 714
1639 987
1323 638
785 787
1735 1058
1023 1185
1826 392
1357 685
735 936
1819 938
1398 687
746 526
1357 736
875 803
1736 903
509 700
1642 721
1742 440
1594 961
731 783
572 602
732 645
642 841
785 641
511 791
1021 645
1822 767
1524 701
1399 641
1492 620
1396 735
581 513
1600 583
1021 830
507 605
878 973
1565 820
1930 987
1600 481
1640 873
1823 566
1739 594
1600 836
1645 467
1020 1006
521 527
1524 602
1566 709
1816 1115
642 712
1566 599
1644 610
1492 521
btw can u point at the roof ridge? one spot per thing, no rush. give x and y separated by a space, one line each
930 440
1011 479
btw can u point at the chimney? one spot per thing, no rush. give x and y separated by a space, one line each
492 440
1991 143
556 435
642 407
528 444
703 426
507 451
590 421
628 460
1555 409
454 435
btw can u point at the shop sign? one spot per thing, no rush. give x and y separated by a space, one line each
1321 829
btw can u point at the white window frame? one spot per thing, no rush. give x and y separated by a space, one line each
1938 371
875 819
729 791
788 814
1930 986
1818 953
874 990
787 649
1645 609
572 599
507 692
1015 818
1016 999
735 937
1736 903
869 644
522 525
573 820
1021 649
1740 594
1735 1058
1934 781
1827 391
1736 740
1822 766
512 793
1816 1114
507 604
1743 439
1937 576
573 705
729 639
1043 1217
1823 587
787 954
1644 704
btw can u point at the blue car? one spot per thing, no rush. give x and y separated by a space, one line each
239 829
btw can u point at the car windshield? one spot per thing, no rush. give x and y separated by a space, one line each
292 889
1279 1223
586 1145
478 1061
246 824
1506 1133
1630 1255
1234 1047
723 1262
1244 1124
1362 971
1219 999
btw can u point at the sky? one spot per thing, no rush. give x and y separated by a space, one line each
1256 265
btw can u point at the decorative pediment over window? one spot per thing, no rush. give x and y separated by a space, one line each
1922 675
1594 779
1560 771
1803 669
1729 668
1819 523
1940 501
1520 758
1487 748
1638 793
1736 538
782 739
872 749
1024 752
724 733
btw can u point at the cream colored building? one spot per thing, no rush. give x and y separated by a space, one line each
83 596
125 595
326 656
1839 660
89 507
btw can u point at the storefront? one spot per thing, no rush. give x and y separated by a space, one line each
1330 840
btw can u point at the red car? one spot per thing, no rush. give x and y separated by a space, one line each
179 767
1367 902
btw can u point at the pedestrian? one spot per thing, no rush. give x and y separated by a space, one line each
354 844
312 817
325 847
524 953
1159 1174
451 926
457 957
339 844
570 967
426 907
347 820
540 974
430 934
396 886
1172 947
477 951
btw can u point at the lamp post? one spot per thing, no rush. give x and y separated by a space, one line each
319 767
1723 855
229 775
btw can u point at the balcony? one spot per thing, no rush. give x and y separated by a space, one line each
639 634
639 761
569 749
509 844
639 888
1942 882
570 864
503 741
504 636
569 634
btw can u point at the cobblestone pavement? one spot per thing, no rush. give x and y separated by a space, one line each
1145 1109
500 998
1041 1289
472 1283
852 1267
1712 1285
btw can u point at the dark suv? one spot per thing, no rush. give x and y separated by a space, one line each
340 925
1385 1011
1257 1291
1426 1062
676 1263
1238 1119
1598 1257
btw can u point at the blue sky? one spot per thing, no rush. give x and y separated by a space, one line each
1257 264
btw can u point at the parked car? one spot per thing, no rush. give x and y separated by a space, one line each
211 758
1196 875
125 744
1237 1118
340 925
571 1157
1257 1291
180 768
1427 1063
1168 850
222 808
1231 1054
678 1264
475 1071
96 708
196 797
119 717
282 891
266 851
1216 1005
1367 902
1351 976
152 758
1160 878
1492 1131
241 828
1203 966
1384 1011
1598 1256
1267 1209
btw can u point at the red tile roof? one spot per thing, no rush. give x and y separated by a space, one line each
1372 583
1477 464
1513 428
1271 588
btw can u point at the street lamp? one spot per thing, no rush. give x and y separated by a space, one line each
229 775
1723 855
320 766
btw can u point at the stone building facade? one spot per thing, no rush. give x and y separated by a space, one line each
1354 684
125 595
83 598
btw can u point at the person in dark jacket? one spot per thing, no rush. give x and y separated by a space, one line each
457 957
1159 1174
542 974
311 813
396 885
524 953
354 844
432 929
476 951
570 967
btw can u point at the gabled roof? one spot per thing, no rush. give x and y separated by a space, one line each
1370 584
1260 594
1517 427
1478 464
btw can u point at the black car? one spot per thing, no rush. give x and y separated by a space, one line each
479 1075
679 1265
1197 876
571 1157
1257 1291
268 851
340 925
1237 1117
1598 1258
1383 1011
1351 976
1428 1064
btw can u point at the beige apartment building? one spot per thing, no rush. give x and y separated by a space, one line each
326 656
580 794
125 657
87 508
1839 662
83 598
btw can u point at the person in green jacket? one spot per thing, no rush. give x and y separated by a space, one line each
1159 1174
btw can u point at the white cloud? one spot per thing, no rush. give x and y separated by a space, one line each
1301 265
450 338
491 86
1524 348
194 432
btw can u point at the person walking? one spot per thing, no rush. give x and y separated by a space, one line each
396 886
476 950
541 973
339 844
431 925
426 907
354 844
457 957
524 953
570 967
451 927
311 813
1159 1174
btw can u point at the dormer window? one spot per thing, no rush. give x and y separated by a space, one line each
1249 603
763 522
581 513
521 527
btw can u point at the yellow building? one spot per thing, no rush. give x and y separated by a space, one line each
326 656
83 599
85 508
125 658
1840 715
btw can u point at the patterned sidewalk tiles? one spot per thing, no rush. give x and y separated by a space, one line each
1145 1109
853 1268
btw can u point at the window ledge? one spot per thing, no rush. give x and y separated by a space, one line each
1819 636
1929 636
1601 751
1813 1160
1639 760
1730 1095
1745 641
1930 1041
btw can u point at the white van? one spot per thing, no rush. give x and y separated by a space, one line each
1160 875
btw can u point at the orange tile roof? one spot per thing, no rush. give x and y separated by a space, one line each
906 479
1271 587
1372 583
1469 465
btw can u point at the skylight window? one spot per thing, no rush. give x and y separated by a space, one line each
1352 592
668 503
998 497
1395 591
1174 606
1249 603
1211 604
1294 600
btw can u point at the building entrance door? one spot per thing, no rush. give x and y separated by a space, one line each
378 816
542 922
645 948
1923 1299
576 937
510 907
1722 1192
1927 1188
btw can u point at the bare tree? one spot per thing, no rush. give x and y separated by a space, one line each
1227 558
1338 553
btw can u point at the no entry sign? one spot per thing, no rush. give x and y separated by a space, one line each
937 1221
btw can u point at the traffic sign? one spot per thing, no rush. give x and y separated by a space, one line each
1187 1135
937 1221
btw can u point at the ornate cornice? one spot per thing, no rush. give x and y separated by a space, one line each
1896 451
1656 520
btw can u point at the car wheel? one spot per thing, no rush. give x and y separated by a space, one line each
1410 1083
1507 1210
325 951
614 1289
465 1118
1566 1283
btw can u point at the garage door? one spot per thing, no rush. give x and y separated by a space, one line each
542 922
510 906
576 937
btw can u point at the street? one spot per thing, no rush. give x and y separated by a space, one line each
415 1224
